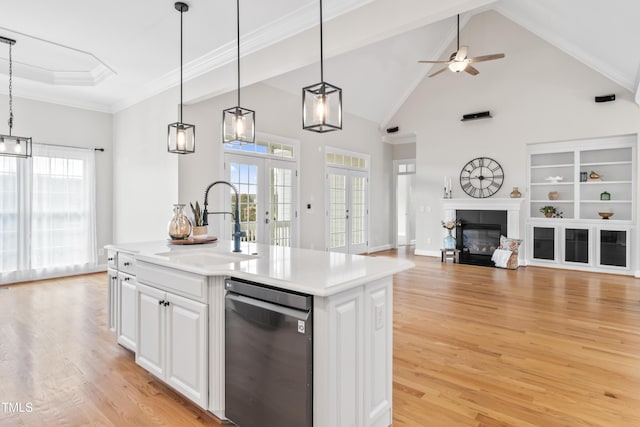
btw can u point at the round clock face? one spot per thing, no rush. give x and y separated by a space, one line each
481 177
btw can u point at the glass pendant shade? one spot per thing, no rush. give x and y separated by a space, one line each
321 102
181 138
15 146
322 107
238 126
11 145
238 123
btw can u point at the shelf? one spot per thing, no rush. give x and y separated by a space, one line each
605 201
625 162
550 184
594 182
566 165
551 202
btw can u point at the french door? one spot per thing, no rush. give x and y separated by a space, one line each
268 198
347 193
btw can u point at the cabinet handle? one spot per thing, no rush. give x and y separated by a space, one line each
127 279
114 277
127 264
161 302
166 303
110 259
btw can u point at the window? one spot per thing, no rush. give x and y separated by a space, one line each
47 209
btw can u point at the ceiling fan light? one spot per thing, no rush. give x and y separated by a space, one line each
458 66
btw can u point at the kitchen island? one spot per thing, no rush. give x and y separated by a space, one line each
176 316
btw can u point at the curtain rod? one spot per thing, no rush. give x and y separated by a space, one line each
70 146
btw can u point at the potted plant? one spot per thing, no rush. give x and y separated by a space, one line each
551 212
199 229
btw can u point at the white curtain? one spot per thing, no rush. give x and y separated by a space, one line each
48 213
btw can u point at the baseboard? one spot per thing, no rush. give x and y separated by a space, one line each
427 253
380 248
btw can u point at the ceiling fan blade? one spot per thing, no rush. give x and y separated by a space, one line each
438 72
486 57
461 54
471 70
434 62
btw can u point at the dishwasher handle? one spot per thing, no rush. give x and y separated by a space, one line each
265 313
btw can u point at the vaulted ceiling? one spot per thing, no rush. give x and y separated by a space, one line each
108 55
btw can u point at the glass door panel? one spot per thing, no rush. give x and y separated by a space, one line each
281 212
358 212
244 174
576 245
544 243
268 201
338 211
613 248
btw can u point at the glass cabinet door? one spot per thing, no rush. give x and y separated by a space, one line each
576 245
613 247
544 243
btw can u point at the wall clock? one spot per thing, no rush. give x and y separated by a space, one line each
481 177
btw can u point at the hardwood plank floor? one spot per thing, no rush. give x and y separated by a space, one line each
477 346
473 346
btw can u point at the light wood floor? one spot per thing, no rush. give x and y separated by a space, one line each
473 346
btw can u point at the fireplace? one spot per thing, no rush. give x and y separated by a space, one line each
483 221
479 235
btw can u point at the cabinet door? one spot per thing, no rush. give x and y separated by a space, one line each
126 322
112 296
187 348
346 359
378 353
150 346
613 248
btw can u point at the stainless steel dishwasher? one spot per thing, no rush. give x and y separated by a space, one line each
268 356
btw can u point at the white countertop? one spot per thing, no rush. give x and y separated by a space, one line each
308 271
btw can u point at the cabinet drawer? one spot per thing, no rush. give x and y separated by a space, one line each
112 258
186 284
126 263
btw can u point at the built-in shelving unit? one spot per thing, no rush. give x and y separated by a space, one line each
582 179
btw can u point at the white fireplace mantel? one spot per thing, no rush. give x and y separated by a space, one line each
512 206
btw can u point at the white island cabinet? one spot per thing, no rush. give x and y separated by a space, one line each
180 322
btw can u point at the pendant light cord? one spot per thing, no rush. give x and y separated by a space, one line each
181 11
458 35
238 36
10 90
321 55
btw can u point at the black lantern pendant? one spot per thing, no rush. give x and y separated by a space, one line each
181 137
238 124
321 102
10 145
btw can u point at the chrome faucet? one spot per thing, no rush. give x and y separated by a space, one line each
237 234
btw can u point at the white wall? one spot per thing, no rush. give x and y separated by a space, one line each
56 124
145 180
536 93
279 113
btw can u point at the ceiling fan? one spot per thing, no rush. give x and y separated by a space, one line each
458 60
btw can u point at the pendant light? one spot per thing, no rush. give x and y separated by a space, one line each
181 137
238 124
14 146
321 102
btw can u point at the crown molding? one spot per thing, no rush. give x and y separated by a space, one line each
287 26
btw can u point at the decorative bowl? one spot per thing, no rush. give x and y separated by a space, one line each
605 215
